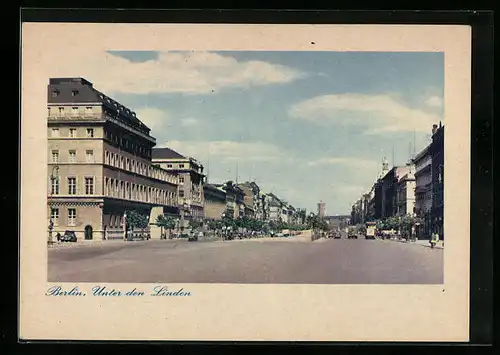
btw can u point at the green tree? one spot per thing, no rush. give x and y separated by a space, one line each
317 223
393 223
273 225
165 222
214 224
407 222
196 223
136 219
228 222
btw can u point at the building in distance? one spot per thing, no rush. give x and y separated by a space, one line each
191 179
321 209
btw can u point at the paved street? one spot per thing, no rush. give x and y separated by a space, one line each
326 261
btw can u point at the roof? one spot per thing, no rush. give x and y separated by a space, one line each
213 187
65 88
165 153
78 90
422 154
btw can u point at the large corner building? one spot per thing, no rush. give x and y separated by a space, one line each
99 163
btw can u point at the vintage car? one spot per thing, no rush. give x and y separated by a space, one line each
69 236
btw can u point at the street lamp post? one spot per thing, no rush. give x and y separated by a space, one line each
124 224
53 178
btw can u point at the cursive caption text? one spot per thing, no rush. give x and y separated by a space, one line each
103 291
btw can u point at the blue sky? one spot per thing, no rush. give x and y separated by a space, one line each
308 126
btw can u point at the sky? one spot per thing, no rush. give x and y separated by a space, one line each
307 126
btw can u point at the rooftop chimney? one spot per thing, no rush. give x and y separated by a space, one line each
434 128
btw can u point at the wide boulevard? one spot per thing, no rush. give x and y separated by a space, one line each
267 260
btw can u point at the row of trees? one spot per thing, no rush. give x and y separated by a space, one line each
251 224
402 224
317 223
137 220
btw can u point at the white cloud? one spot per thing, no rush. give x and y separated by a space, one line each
345 161
152 117
226 151
189 122
171 72
349 189
434 101
375 113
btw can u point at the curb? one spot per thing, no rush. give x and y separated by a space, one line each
426 245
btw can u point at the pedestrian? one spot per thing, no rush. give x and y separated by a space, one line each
434 239
58 236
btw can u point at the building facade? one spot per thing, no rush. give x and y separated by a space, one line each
191 179
235 206
274 204
99 163
265 207
215 202
437 155
389 189
405 194
252 200
379 190
423 191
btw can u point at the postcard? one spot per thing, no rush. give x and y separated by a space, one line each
245 182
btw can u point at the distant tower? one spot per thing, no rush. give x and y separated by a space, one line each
321 209
385 167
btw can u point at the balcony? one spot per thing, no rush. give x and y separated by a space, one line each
69 116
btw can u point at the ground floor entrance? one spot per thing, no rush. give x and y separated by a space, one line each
88 232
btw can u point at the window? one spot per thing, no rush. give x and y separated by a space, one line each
61 111
169 165
49 112
89 156
71 216
181 180
128 164
88 110
72 156
74 92
107 157
55 132
72 186
181 193
181 166
72 132
54 189
89 185
90 132
55 156
54 216
74 110
55 93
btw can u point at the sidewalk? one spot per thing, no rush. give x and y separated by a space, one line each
421 242
88 243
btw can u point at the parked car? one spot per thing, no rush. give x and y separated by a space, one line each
69 236
193 237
